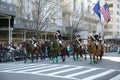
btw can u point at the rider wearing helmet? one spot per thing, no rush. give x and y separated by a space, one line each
58 36
95 36
78 39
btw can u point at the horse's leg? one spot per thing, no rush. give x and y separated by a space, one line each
50 55
74 56
81 52
32 57
53 57
77 55
90 58
27 54
57 58
63 57
41 55
101 55
84 54
95 58
36 56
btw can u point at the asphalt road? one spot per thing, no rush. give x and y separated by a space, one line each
107 69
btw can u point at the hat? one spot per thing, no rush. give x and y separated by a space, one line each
78 35
58 31
94 31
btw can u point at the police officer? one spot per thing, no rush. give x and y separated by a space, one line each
78 39
95 36
33 39
58 36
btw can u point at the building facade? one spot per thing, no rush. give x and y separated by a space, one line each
112 29
22 23
69 16
78 14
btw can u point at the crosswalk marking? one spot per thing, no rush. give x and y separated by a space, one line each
81 72
99 75
58 71
52 69
15 66
116 77
31 67
43 67
62 71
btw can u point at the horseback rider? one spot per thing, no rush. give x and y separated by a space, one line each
58 36
34 41
79 40
95 37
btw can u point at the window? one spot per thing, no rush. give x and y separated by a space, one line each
118 6
118 13
111 12
118 27
108 26
19 12
110 5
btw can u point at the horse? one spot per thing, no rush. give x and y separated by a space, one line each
63 50
77 50
100 51
94 51
30 50
91 49
38 51
54 48
83 50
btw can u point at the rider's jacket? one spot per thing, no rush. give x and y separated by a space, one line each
78 40
59 37
96 37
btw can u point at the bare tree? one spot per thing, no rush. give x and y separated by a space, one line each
74 20
44 11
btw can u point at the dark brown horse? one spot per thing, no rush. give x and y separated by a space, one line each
56 49
38 51
100 51
77 50
30 50
63 51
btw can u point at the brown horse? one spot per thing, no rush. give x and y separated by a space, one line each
63 50
38 51
94 51
77 50
30 50
54 49
100 51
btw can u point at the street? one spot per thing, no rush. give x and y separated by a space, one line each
107 69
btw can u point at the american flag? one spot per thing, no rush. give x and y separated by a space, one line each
105 12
